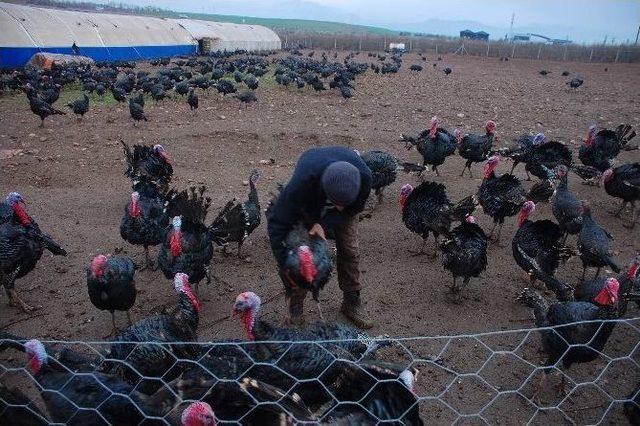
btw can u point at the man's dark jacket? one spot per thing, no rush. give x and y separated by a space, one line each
303 198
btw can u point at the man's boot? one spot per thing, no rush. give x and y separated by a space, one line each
296 309
353 310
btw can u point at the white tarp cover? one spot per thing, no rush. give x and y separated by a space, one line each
25 26
227 36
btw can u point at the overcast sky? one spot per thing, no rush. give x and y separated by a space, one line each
580 20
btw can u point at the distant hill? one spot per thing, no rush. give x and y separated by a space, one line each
294 25
277 24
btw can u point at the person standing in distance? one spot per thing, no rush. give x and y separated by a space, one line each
328 189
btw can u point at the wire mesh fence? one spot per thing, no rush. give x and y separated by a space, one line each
628 53
490 378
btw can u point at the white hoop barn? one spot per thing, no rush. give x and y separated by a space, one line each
106 37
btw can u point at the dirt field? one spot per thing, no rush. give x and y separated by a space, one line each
71 175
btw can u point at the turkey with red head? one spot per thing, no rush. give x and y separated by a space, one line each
178 324
236 221
580 342
519 151
541 241
248 399
111 286
503 196
145 221
464 253
73 398
602 146
475 148
435 144
594 244
427 209
624 182
340 357
150 161
21 246
187 247
565 206
308 263
587 290
542 155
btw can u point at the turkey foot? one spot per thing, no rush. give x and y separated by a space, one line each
537 390
15 300
533 282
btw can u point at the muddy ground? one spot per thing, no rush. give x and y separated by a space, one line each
71 174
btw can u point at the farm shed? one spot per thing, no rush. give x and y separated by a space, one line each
28 30
480 35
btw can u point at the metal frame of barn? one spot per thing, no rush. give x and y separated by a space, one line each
27 30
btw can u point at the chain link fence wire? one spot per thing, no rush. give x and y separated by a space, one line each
487 378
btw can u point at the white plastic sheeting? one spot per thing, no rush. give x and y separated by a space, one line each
33 27
24 26
226 36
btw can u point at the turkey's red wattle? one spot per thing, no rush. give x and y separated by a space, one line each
433 131
192 297
308 269
97 271
403 202
175 244
589 140
633 271
248 320
608 296
134 209
522 218
34 365
22 214
488 171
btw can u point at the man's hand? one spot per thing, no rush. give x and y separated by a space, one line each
316 229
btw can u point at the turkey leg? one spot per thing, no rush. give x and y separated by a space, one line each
148 263
8 282
114 329
634 216
618 212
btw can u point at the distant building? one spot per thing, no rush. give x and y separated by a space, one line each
537 38
479 35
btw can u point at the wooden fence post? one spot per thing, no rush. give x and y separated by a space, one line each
539 50
591 55
436 49
360 44
335 43
564 55
487 48
617 54
513 51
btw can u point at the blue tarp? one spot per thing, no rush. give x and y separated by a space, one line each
15 57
